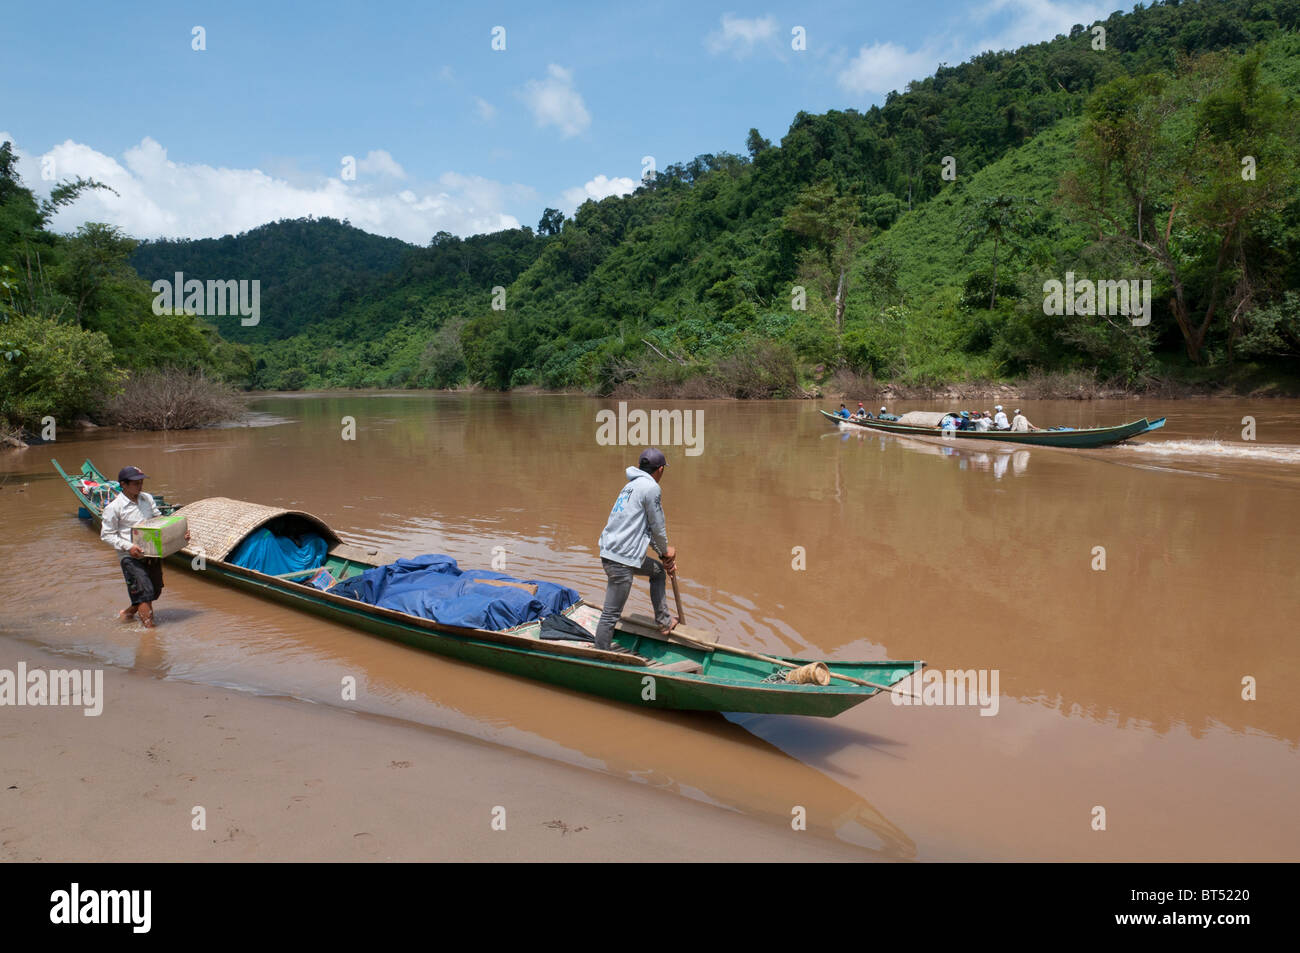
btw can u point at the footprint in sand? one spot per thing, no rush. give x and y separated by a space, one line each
366 843
563 828
399 764
154 795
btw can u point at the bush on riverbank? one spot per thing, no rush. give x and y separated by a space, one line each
755 370
173 400
59 370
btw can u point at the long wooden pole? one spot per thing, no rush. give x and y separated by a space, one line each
677 595
300 572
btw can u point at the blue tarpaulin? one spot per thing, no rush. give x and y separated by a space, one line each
434 587
275 555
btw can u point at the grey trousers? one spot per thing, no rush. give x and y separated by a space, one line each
620 587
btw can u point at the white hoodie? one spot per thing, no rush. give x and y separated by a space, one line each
636 520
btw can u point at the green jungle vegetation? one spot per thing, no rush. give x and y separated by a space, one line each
909 243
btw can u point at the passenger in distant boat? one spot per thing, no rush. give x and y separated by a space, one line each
1000 421
965 423
1021 424
950 422
863 414
983 422
143 574
637 520
843 412
886 415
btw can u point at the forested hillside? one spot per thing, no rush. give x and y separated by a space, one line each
309 269
909 242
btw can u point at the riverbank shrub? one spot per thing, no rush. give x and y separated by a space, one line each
173 400
59 370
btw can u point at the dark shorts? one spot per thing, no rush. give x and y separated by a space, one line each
143 578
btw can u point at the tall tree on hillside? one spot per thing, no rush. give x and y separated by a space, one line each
1182 174
1006 219
831 224
551 223
95 256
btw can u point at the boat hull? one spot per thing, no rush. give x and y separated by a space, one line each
621 683
727 682
1074 439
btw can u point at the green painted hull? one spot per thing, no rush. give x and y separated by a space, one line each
727 682
1075 439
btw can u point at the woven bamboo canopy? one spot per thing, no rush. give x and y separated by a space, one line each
922 418
217 525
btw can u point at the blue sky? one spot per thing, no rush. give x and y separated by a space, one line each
446 132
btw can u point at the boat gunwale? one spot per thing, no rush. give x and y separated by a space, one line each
502 641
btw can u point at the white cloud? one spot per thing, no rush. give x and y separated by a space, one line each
486 111
381 162
598 188
740 35
1033 21
555 102
882 67
161 198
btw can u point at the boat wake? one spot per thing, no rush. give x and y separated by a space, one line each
1274 453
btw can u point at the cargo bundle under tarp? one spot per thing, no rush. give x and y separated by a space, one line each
434 587
277 555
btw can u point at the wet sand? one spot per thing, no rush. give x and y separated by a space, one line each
284 780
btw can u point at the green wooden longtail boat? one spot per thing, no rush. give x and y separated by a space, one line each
1077 439
660 672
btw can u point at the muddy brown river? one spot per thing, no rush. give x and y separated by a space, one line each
1160 688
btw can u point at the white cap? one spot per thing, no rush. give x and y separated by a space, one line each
882 406
998 407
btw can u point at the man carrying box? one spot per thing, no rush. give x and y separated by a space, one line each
144 581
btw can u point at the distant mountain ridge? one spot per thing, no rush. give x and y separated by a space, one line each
310 269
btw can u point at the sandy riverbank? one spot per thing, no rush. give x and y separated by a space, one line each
285 780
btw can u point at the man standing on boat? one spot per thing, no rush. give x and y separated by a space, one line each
637 520
144 581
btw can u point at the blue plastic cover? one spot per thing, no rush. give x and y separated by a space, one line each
274 555
434 587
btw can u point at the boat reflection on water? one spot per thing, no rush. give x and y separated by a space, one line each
998 461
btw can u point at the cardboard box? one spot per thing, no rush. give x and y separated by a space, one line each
160 536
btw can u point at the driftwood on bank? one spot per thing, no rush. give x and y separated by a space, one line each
674 358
